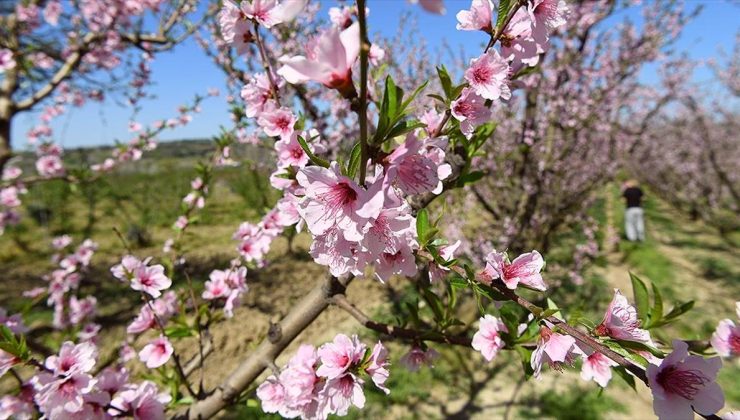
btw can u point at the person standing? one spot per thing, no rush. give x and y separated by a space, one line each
634 225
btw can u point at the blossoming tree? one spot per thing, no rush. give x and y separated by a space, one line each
368 204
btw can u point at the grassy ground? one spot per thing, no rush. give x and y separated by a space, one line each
687 260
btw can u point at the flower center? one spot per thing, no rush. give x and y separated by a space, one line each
735 343
339 196
296 153
685 383
482 75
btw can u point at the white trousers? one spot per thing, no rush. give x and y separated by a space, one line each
634 226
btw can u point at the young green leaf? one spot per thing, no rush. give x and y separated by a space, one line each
642 302
315 159
422 226
354 160
445 81
656 313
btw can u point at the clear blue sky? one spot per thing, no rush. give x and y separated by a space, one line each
179 74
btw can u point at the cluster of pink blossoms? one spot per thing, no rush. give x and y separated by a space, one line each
328 381
67 388
523 40
10 197
66 280
141 276
227 286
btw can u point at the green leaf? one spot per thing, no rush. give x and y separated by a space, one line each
503 11
315 159
178 332
354 160
458 282
634 345
622 373
471 177
525 355
445 81
656 313
435 304
403 127
677 311
437 97
422 226
642 302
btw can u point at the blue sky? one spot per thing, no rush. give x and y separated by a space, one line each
179 74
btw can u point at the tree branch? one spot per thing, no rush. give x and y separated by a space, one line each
341 301
304 312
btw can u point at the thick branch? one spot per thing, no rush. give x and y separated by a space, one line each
281 335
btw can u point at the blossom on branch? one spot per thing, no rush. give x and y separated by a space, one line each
682 384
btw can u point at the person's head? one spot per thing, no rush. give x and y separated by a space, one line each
630 183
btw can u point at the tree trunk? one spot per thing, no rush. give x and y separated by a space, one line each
5 150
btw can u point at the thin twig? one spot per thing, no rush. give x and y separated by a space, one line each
266 63
362 112
341 302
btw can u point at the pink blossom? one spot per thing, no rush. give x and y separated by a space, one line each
546 15
525 269
553 349
333 199
339 356
156 353
682 384
470 110
143 321
7 62
272 395
401 262
596 366
726 339
432 6
61 242
389 232
269 12
488 76
277 122
19 406
378 367
411 171
59 396
432 119
334 251
416 357
11 172
50 166
7 361
142 401
227 18
375 55
446 252
256 94
478 18
9 197
151 280
487 339
125 270
72 358
518 44
80 309
621 322
329 61
341 17
340 393
89 332
181 223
